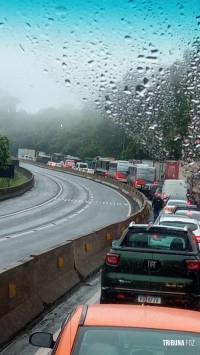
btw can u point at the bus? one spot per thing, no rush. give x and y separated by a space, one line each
118 170
101 165
57 157
140 174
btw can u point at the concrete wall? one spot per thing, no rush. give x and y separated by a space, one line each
27 288
15 191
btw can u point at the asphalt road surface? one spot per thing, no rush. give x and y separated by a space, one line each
58 208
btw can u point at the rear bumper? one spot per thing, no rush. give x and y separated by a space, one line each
111 295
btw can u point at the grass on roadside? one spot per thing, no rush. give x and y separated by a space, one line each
17 180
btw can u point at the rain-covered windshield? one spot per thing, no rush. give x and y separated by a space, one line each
129 68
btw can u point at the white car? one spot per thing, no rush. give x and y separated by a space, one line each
195 214
171 203
174 220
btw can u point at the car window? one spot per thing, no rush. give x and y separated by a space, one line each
191 214
174 202
180 224
120 341
156 240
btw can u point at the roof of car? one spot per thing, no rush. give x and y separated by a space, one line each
186 207
153 227
177 201
142 316
187 212
177 218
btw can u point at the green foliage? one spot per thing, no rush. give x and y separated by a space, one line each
4 151
16 181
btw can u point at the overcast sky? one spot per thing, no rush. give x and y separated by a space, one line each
58 52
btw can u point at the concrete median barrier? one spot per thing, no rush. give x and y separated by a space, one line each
90 249
27 288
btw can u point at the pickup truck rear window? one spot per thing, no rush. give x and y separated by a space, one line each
153 240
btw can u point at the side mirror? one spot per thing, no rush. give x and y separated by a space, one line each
42 339
114 243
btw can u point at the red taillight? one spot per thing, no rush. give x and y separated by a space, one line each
168 209
192 265
197 238
179 300
119 176
120 296
188 213
112 259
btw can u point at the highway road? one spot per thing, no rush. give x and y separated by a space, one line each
58 208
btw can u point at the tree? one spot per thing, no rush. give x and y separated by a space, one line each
4 151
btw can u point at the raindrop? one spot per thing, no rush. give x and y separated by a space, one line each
140 69
21 47
127 91
153 126
67 82
61 10
151 57
140 88
145 81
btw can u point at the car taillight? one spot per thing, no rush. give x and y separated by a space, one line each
168 209
119 176
112 259
188 213
197 238
192 265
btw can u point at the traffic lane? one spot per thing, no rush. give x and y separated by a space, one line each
88 292
64 173
45 189
47 212
21 245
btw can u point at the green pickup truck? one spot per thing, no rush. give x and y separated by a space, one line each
152 264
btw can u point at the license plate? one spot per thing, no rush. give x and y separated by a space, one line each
149 299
